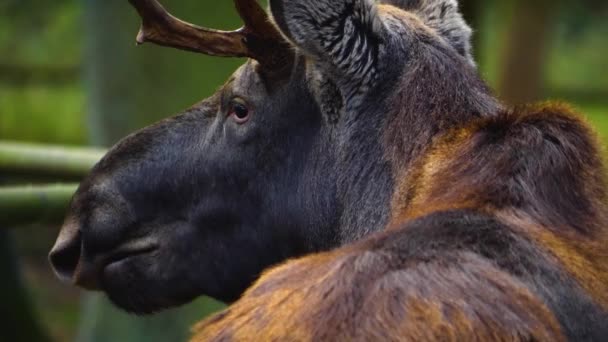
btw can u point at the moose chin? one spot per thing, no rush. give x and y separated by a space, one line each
355 179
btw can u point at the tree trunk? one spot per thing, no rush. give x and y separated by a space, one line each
130 87
522 74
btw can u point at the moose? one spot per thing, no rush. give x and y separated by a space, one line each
355 179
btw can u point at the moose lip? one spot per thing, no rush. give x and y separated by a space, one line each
90 273
124 254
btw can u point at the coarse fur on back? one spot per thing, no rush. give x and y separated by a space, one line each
399 198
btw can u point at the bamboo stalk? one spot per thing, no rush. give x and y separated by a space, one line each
30 204
19 158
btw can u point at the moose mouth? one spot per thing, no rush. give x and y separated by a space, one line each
124 254
116 264
91 275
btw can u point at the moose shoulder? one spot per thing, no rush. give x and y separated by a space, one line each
360 142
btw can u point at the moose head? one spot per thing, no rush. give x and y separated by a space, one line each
298 152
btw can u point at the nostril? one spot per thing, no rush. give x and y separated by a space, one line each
65 255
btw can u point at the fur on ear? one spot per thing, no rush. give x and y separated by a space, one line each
341 36
445 18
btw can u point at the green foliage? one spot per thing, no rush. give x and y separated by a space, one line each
42 113
41 32
578 57
598 117
37 37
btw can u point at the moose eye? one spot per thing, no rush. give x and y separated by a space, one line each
239 112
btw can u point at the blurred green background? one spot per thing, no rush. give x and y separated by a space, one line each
70 74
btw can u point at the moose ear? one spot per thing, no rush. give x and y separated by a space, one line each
445 18
340 36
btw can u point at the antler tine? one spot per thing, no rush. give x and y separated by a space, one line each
160 27
256 19
258 39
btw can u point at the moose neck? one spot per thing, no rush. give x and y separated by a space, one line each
378 143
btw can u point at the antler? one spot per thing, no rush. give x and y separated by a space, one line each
258 39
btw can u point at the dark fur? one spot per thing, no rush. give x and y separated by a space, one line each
490 223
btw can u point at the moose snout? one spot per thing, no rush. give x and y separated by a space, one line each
80 251
68 261
99 231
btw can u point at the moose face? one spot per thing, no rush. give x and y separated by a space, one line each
196 204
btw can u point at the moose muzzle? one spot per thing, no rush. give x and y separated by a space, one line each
97 232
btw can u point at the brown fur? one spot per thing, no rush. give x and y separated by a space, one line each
461 169
449 179
585 259
532 174
355 294
360 293
450 217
